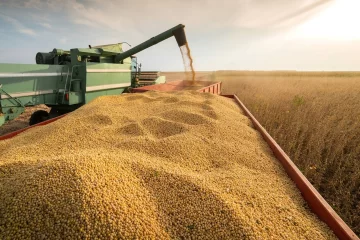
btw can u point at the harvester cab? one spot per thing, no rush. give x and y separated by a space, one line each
65 80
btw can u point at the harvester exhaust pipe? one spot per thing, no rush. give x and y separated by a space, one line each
178 32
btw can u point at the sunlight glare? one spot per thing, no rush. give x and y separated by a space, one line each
338 22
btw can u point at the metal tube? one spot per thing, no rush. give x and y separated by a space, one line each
44 58
177 31
60 52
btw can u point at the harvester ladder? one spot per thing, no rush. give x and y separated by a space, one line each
64 92
73 79
67 89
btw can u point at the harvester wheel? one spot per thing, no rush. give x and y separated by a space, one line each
38 116
55 113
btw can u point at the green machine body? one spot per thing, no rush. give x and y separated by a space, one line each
65 80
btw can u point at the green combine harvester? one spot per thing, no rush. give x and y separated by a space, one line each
65 80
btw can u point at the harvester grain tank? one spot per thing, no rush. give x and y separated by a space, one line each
65 80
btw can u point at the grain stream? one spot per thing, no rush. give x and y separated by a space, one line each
188 62
178 165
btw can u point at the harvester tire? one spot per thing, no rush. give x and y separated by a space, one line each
38 116
55 113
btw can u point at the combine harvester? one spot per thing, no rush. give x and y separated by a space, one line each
66 80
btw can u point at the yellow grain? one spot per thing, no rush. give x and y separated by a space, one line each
152 165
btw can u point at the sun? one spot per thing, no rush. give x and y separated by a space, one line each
340 21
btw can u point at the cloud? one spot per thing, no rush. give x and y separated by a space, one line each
276 13
45 25
63 40
44 17
85 22
18 26
301 11
27 31
246 33
33 4
38 4
204 14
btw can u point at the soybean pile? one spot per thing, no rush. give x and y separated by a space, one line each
156 165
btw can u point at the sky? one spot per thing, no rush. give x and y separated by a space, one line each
312 35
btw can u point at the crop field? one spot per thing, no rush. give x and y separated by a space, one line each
315 118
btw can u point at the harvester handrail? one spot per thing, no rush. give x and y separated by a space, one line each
67 76
15 99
